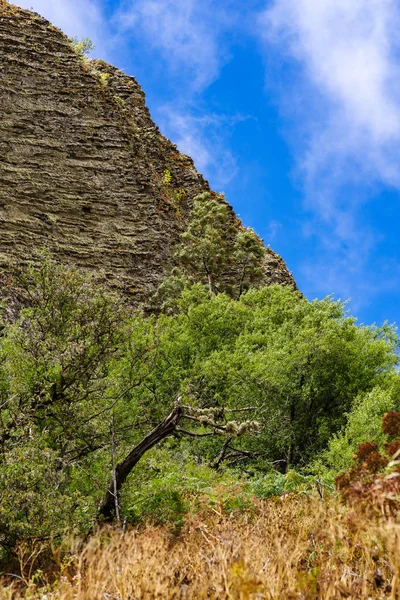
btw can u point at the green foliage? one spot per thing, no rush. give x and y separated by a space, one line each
170 290
57 357
167 177
166 506
83 46
171 194
300 365
216 250
247 257
292 482
172 483
104 77
35 500
272 484
364 423
78 369
54 370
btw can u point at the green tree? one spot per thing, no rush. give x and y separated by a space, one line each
83 46
247 258
57 357
206 245
299 365
55 366
218 250
88 388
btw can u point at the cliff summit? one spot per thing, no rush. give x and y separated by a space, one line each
84 171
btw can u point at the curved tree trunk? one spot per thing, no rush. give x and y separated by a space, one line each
163 430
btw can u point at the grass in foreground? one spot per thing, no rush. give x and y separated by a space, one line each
285 549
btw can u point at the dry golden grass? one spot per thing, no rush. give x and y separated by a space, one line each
287 549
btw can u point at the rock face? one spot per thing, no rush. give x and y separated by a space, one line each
84 171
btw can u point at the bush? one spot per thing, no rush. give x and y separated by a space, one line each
373 483
83 381
83 46
364 422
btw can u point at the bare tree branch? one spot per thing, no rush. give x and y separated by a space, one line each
193 434
203 422
221 455
124 468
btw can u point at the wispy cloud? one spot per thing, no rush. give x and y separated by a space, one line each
273 228
189 39
348 52
81 18
186 31
347 281
343 104
204 139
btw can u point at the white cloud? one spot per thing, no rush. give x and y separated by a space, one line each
204 139
348 83
272 230
342 100
80 18
347 280
186 31
187 37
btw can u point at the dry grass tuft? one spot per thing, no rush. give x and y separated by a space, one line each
292 548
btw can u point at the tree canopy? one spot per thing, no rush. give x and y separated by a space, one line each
265 380
217 250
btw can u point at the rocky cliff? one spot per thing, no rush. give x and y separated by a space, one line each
84 171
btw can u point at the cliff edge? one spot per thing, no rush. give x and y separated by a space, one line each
84 171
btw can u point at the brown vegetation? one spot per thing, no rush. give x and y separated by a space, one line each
291 548
366 485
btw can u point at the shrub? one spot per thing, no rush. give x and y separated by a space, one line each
83 46
364 422
369 485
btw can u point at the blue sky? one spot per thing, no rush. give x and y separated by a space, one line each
290 107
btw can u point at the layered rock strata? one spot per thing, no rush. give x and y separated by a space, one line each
84 171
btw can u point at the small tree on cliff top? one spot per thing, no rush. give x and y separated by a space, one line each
214 248
83 46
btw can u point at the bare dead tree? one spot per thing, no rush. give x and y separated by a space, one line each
109 508
124 468
217 463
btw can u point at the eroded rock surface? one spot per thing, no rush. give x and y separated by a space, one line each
82 165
